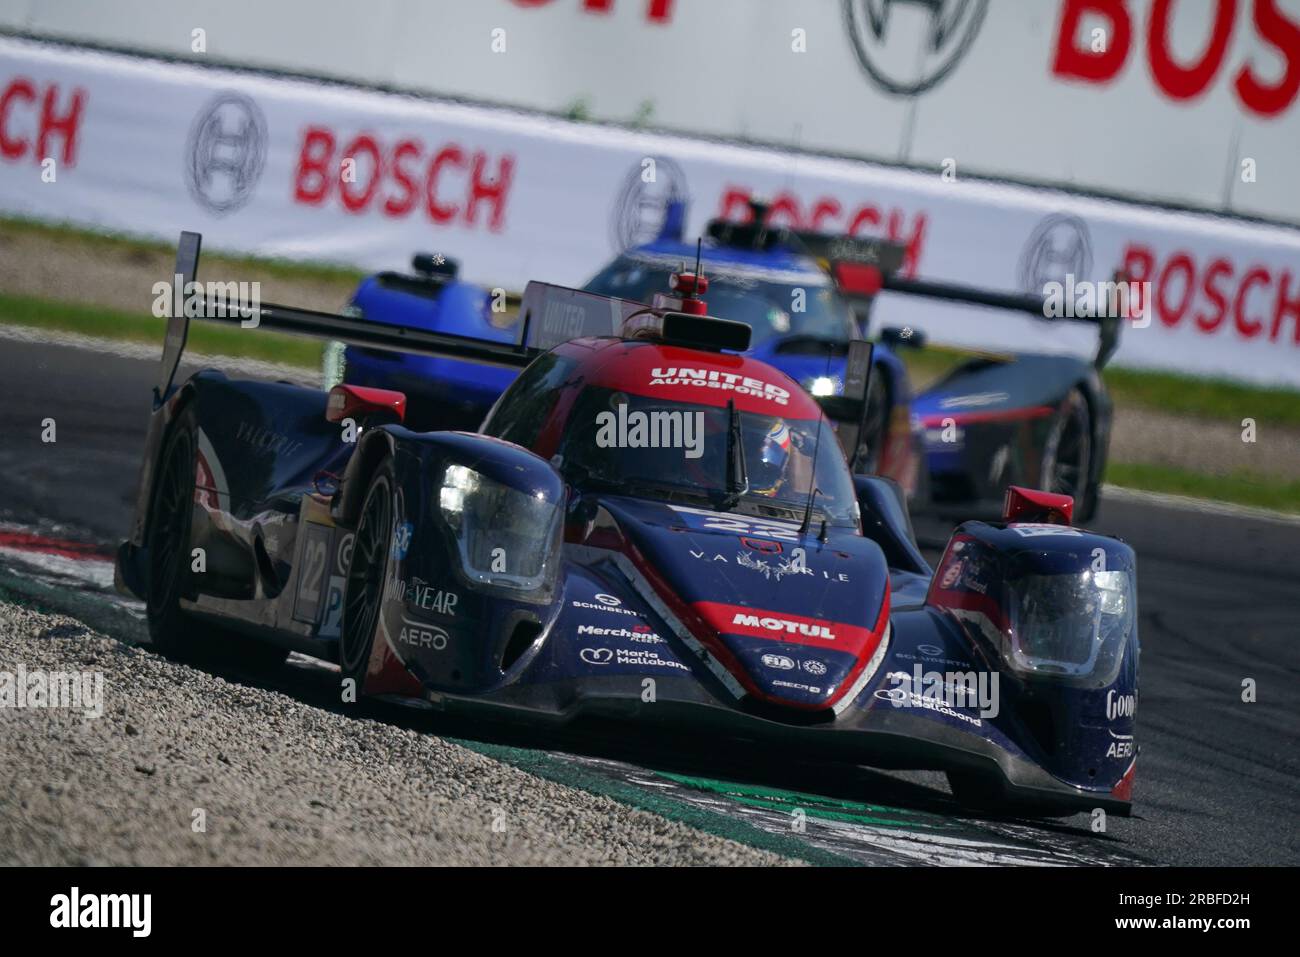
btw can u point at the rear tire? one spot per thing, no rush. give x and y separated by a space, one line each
367 576
173 632
171 517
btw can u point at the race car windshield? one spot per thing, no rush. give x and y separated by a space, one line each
773 309
678 451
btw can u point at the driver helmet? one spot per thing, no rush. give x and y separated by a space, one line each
772 458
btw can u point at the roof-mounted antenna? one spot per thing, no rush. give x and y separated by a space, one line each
691 286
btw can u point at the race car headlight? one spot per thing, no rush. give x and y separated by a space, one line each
1073 625
504 536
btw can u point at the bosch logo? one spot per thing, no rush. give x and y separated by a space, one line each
1120 705
908 46
642 204
596 656
1060 246
225 153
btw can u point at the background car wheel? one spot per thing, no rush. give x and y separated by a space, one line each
173 632
363 593
1067 456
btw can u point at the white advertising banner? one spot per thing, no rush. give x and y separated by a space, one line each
304 170
1187 102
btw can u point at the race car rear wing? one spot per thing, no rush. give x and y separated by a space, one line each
189 301
549 315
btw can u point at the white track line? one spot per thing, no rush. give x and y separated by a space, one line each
1186 503
258 368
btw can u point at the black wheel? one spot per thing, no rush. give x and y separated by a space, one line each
363 593
168 540
173 632
1067 456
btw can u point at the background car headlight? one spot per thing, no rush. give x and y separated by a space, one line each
504 536
823 385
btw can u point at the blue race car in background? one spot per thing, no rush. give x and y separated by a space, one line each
431 298
1038 421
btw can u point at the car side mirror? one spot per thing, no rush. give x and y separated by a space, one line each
885 520
360 402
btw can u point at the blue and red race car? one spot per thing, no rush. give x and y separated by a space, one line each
1041 421
650 525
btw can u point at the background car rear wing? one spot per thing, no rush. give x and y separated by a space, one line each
189 301
865 267
1108 326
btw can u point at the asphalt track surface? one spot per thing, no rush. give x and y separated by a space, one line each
1219 596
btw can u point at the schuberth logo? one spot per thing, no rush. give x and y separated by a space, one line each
908 46
1060 246
640 207
226 153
